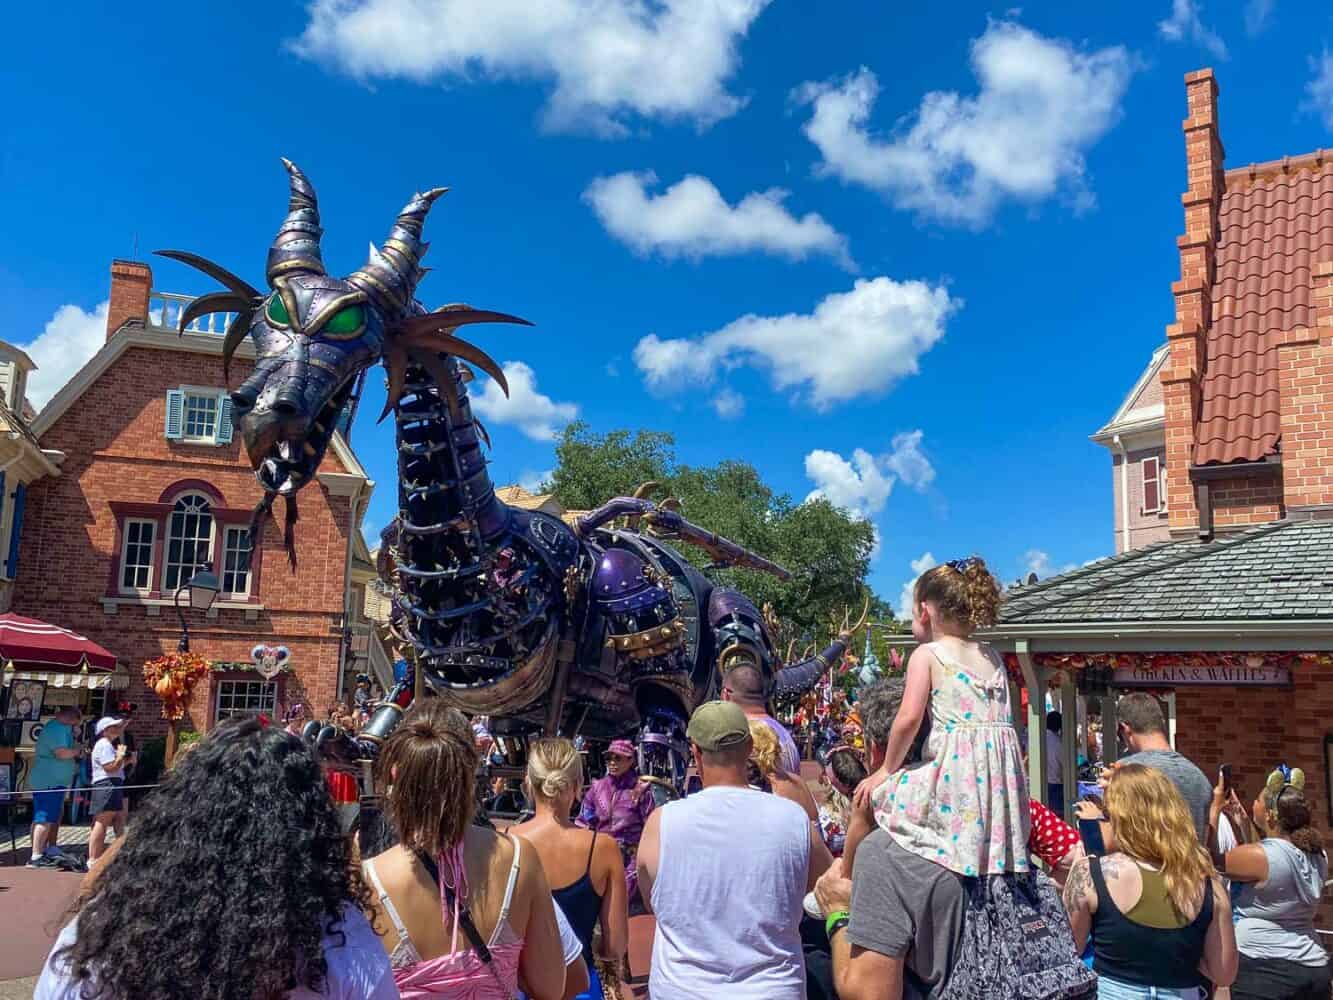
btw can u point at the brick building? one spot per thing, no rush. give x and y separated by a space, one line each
154 485
1220 599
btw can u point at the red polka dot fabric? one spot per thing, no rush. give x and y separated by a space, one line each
1051 837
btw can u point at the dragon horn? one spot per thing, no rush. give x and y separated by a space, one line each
296 247
390 274
646 490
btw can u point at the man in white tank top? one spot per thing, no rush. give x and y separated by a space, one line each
724 871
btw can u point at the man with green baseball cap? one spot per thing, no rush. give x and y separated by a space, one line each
724 871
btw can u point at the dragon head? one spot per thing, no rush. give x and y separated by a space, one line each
315 335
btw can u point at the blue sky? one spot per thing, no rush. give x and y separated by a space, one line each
911 257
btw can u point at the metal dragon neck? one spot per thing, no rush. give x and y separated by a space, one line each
443 485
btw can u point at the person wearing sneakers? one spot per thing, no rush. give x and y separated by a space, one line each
55 762
108 760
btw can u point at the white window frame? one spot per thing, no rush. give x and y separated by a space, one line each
167 563
245 688
215 395
124 555
1144 479
227 531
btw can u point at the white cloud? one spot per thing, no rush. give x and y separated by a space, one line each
906 597
728 404
854 343
1039 562
69 339
908 463
1042 103
533 482
860 487
1257 13
692 219
538 416
1319 91
607 59
1186 25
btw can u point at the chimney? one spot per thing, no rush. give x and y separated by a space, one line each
131 283
1183 371
1305 380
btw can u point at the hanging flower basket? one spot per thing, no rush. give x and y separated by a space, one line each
173 677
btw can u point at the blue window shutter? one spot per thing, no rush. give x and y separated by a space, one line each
2 497
224 419
12 564
175 413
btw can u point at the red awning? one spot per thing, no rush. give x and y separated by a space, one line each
26 641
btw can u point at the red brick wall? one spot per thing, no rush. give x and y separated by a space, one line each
1238 503
1305 362
1254 729
116 451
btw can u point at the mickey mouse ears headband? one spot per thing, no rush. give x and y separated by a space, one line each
1283 777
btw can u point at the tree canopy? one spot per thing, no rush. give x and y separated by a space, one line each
826 549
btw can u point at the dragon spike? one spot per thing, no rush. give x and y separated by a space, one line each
236 332
296 247
217 272
443 344
390 274
395 365
670 503
213 302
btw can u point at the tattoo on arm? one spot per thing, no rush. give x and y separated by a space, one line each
1077 886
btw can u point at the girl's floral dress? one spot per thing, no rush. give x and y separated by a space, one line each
965 804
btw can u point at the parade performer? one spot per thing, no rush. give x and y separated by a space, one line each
619 804
965 806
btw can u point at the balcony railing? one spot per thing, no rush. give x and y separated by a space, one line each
165 308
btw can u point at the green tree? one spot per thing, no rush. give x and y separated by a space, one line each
827 551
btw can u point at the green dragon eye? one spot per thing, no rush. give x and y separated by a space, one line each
277 311
346 322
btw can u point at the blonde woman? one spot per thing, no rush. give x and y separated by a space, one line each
583 866
768 775
1160 917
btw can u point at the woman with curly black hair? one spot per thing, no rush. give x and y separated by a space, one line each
234 883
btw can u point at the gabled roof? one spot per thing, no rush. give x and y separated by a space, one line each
1275 223
1134 414
1281 571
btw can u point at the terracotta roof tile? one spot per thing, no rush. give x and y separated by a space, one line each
1275 223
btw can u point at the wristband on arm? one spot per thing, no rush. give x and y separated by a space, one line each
836 921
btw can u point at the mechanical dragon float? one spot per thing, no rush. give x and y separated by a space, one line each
594 629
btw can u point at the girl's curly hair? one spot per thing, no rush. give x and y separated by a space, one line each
963 590
230 876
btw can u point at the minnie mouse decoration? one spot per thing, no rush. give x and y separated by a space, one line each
269 660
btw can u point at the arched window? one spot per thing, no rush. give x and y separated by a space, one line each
189 540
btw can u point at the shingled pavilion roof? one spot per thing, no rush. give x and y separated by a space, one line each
1281 571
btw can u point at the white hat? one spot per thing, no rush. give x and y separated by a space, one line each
106 722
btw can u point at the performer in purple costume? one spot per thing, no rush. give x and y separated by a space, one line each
619 804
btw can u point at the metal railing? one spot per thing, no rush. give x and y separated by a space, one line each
165 308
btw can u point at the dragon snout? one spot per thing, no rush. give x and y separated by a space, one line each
286 424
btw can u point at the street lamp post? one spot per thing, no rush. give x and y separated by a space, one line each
203 588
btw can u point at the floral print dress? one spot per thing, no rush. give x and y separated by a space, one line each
965 804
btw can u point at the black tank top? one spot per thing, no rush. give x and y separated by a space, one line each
1146 956
581 905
